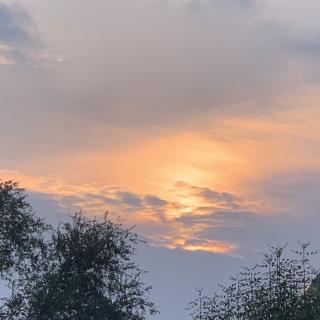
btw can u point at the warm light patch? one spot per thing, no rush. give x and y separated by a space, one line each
175 185
212 246
149 212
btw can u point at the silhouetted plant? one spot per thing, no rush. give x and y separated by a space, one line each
82 270
278 288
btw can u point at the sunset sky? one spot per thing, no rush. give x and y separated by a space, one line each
196 120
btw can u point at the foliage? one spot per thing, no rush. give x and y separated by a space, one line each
279 288
20 230
81 270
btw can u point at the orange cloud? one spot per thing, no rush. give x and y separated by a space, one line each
175 184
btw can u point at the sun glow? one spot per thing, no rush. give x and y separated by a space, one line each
189 174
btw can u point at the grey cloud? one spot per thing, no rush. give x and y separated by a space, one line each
217 219
105 198
210 195
115 199
254 234
17 31
129 198
154 201
100 201
311 46
142 67
297 221
89 199
11 30
218 196
168 69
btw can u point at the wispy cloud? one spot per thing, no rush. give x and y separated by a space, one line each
17 34
207 195
187 217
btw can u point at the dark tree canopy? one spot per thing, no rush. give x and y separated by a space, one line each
91 275
20 230
82 270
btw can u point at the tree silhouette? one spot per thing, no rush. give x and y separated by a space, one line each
82 270
278 288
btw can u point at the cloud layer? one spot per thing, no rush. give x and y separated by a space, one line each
17 35
197 120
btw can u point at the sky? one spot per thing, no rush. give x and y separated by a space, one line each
195 120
